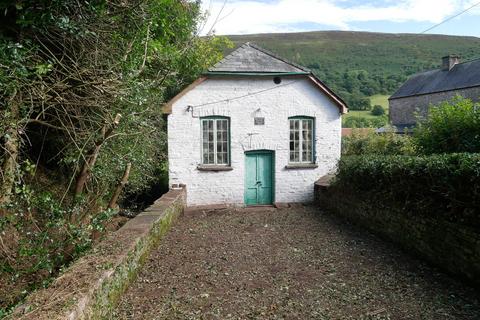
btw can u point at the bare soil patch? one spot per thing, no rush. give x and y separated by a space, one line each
295 263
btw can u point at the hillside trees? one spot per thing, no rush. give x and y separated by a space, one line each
387 59
87 79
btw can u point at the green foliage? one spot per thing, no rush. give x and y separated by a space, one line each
44 240
363 63
370 143
446 186
364 122
452 126
69 67
126 60
355 100
378 110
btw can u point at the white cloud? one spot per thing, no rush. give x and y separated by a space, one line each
241 17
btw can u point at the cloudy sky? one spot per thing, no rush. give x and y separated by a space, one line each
401 16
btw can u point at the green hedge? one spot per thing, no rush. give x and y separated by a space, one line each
451 126
388 143
446 185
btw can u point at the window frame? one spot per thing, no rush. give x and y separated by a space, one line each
300 141
215 151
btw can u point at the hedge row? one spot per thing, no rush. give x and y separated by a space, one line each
447 184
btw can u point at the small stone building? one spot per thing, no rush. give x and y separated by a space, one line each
432 87
253 130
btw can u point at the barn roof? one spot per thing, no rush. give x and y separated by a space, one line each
250 58
462 75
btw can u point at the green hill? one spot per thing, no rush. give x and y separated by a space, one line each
358 65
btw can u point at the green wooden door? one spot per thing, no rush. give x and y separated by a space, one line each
259 178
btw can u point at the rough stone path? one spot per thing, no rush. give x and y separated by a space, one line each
294 263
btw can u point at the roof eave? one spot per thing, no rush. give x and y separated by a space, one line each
253 73
342 106
167 107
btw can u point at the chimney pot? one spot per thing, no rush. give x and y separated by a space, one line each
448 62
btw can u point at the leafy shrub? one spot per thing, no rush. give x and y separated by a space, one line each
84 118
452 126
378 110
355 101
42 241
446 184
389 143
362 122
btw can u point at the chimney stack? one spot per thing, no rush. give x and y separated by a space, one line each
448 62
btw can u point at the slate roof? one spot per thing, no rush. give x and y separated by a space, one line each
250 58
462 75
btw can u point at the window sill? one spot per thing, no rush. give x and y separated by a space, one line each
203 167
301 166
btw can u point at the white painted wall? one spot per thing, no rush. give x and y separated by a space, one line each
293 97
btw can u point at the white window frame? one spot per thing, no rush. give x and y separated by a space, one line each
215 151
301 119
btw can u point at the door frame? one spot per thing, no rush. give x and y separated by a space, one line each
259 151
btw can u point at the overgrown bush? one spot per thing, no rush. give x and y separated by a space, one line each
81 89
38 237
446 185
388 143
378 110
451 126
362 122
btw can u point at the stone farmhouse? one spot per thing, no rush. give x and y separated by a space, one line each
432 87
253 130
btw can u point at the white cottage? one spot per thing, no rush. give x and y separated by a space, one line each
253 130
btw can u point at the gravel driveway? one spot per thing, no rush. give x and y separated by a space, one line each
295 263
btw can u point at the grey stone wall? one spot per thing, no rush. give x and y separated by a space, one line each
403 110
451 246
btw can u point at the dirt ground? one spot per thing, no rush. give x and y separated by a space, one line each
294 263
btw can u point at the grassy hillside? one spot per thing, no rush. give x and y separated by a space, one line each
379 99
376 53
358 65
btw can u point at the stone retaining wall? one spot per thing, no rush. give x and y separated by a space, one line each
453 247
92 285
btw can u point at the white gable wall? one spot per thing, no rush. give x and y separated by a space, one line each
293 97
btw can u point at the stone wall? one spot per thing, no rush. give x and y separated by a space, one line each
453 247
293 97
402 110
90 287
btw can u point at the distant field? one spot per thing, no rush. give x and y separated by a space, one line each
374 100
362 114
380 100
367 115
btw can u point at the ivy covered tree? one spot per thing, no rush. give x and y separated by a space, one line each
88 78
82 84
